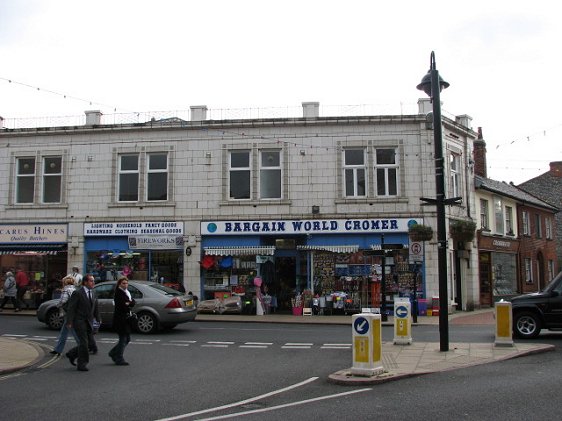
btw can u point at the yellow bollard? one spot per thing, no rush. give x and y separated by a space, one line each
367 345
504 322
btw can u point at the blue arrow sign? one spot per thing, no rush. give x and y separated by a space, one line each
401 312
361 325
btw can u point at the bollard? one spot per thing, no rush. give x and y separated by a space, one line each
367 345
504 321
402 322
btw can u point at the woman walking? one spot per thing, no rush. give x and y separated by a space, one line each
68 289
123 304
10 292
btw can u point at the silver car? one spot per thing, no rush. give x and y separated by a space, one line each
157 306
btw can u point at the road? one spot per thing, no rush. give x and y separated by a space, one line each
272 371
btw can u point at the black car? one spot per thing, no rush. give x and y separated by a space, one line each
539 310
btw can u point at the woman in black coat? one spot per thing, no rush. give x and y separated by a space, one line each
123 304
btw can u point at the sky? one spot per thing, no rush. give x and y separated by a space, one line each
502 59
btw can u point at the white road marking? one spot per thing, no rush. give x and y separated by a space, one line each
335 347
258 343
214 346
235 404
336 344
189 342
298 344
295 347
286 405
176 344
220 343
254 346
13 336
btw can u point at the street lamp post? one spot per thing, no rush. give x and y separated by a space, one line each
432 85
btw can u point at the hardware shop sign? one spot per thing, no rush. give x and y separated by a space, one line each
133 228
155 242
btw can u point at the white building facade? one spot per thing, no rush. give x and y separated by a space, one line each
208 205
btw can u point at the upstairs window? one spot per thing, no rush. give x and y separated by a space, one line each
386 172
157 177
484 215
498 212
25 180
239 175
270 174
354 172
528 271
548 228
525 223
509 220
128 178
455 174
538 225
52 179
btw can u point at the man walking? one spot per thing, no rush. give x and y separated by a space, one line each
82 311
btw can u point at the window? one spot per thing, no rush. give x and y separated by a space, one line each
455 166
270 174
239 175
52 179
498 212
509 220
157 177
538 227
550 270
354 172
528 271
386 172
484 218
525 221
129 178
25 180
548 228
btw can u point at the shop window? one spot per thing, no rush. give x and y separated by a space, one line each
386 172
157 177
484 215
52 179
25 180
354 172
270 174
239 175
110 265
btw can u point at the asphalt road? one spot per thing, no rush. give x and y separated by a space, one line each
273 372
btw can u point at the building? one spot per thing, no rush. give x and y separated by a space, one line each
208 205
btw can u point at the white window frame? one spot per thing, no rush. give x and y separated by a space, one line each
122 172
157 171
550 270
354 170
21 177
509 221
525 222
455 174
528 271
51 175
548 227
386 168
232 170
266 170
498 215
484 214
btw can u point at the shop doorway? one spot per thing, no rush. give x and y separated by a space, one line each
485 266
285 283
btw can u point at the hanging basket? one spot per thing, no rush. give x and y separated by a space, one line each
462 230
419 232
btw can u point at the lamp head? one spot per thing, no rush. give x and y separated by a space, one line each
425 84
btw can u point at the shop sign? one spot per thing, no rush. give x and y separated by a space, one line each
33 233
317 226
132 228
155 242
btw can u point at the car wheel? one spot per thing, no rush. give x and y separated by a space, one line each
146 323
527 325
54 319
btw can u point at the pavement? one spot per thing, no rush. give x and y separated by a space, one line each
397 362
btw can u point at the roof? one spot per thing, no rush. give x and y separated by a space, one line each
509 190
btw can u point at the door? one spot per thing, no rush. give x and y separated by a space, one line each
485 267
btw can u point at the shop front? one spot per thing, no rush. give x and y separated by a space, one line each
39 251
143 251
497 258
332 266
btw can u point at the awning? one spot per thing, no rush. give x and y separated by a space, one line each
30 249
240 251
378 246
333 249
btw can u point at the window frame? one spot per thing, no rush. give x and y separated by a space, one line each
509 221
484 214
386 168
20 177
240 169
121 172
528 270
45 176
150 172
455 174
525 223
538 225
354 169
269 169
548 227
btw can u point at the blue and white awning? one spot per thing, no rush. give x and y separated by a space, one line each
331 248
240 251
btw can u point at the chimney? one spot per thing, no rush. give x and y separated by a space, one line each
311 109
93 117
480 166
464 120
556 168
198 112
425 106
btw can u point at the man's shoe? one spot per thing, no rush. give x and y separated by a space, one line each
71 359
121 363
54 353
82 369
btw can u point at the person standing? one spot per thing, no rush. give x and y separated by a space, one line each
82 311
10 292
67 291
121 313
76 275
22 284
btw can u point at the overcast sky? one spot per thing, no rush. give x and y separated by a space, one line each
502 59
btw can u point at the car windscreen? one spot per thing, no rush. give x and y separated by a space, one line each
165 290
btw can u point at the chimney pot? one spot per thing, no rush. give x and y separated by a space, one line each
311 109
93 117
198 112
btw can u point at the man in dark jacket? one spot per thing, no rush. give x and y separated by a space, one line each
82 311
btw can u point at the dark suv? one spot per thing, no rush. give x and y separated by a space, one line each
539 310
